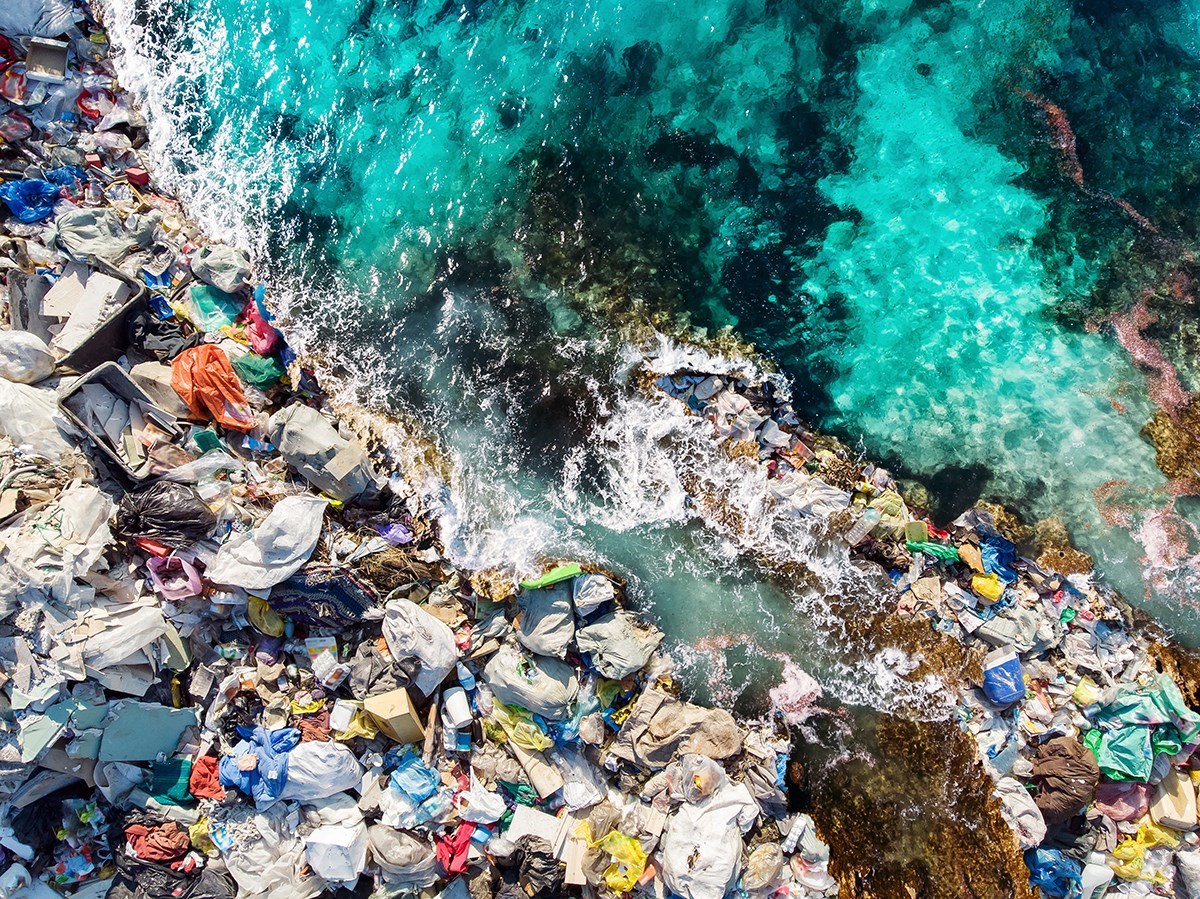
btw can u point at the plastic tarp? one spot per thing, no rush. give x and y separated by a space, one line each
24 357
93 233
30 417
547 623
319 769
312 446
273 551
206 381
620 643
420 644
544 686
222 267
36 18
701 847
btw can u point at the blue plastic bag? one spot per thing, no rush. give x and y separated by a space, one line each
30 200
414 778
1052 871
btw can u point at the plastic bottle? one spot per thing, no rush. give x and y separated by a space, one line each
465 678
863 527
1096 877
794 835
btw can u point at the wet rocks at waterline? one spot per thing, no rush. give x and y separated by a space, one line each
216 683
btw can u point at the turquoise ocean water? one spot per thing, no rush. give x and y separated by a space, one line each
462 206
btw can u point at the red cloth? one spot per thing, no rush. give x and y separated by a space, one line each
204 379
165 843
452 851
203 782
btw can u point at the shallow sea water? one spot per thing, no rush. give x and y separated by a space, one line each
468 209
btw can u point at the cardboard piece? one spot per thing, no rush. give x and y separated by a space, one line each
395 715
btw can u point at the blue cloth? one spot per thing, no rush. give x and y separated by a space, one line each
266 782
1052 871
30 200
998 555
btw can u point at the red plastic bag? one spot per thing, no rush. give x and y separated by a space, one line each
205 380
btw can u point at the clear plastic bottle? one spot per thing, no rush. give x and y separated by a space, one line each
1096 877
863 527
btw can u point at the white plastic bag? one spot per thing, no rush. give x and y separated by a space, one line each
479 804
413 634
273 551
24 357
30 418
319 769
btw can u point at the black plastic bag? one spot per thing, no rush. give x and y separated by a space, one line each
166 511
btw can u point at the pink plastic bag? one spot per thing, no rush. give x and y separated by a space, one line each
1123 801
174 578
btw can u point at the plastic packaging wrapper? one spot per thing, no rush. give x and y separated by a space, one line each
204 378
419 643
167 512
1052 871
273 551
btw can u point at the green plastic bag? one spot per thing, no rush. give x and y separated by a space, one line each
212 309
258 371
1123 753
937 550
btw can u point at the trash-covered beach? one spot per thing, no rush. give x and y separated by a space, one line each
239 663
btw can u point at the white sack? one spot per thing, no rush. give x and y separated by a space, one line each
701 847
320 769
30 417
273 551
412 634
24 357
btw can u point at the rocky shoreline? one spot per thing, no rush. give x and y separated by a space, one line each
225 570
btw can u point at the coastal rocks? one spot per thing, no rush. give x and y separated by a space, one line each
1176 440
1054 550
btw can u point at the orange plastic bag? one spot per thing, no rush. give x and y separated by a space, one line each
205 380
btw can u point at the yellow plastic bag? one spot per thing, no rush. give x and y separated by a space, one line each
988 587
1087 692
518 726
628 858
1131 851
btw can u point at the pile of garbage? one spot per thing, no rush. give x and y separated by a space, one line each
235 660
1088 740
